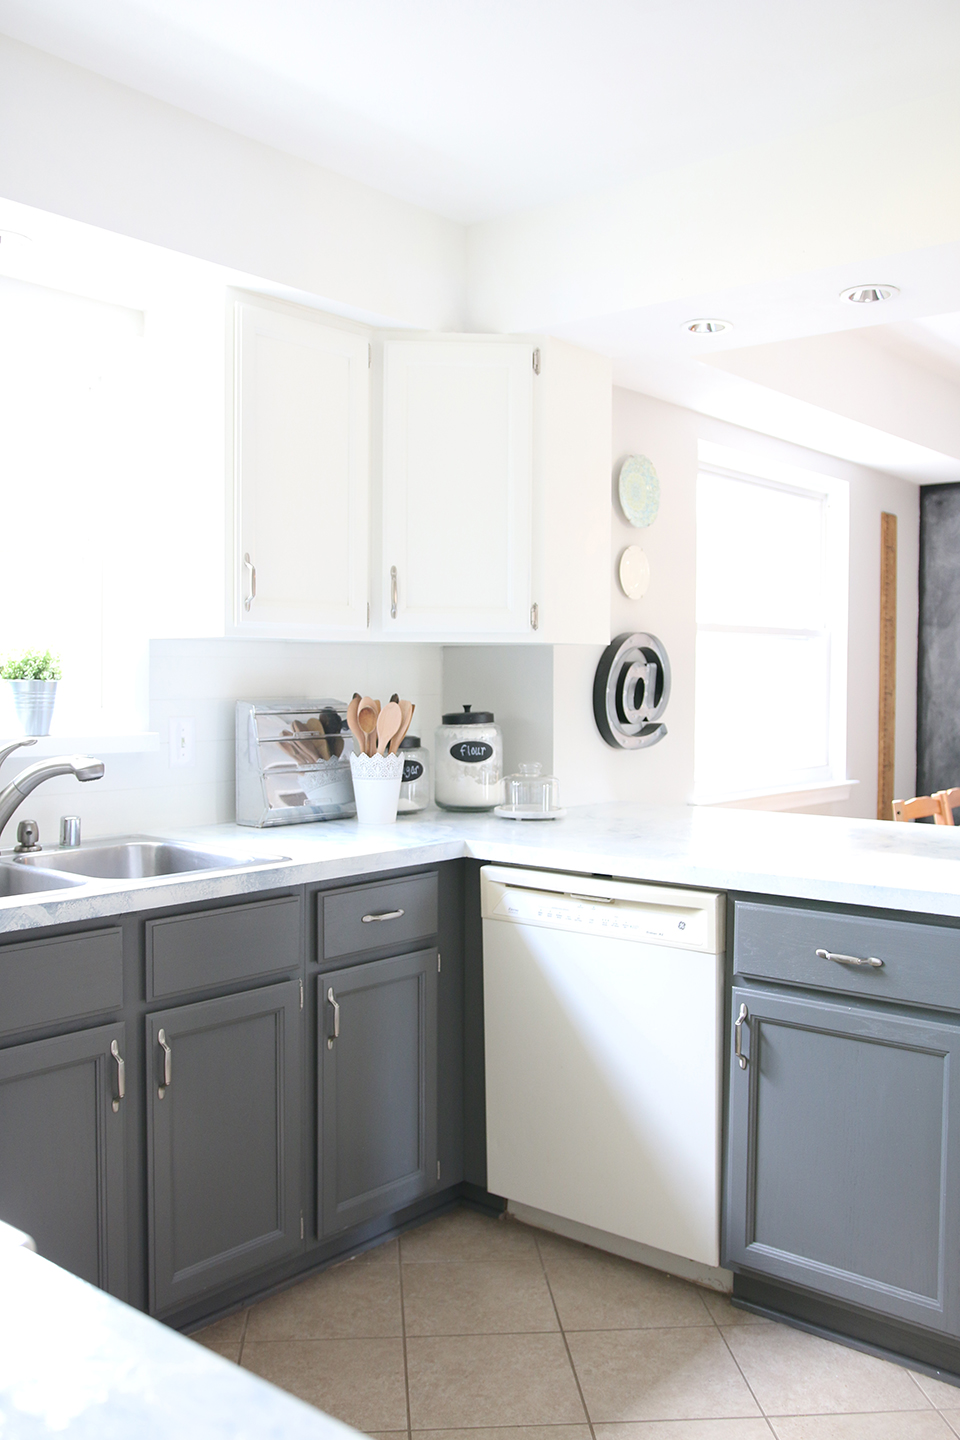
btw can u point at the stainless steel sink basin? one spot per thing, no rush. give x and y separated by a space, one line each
16 880
137 860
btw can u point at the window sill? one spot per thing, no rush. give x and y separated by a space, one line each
793 797
135 743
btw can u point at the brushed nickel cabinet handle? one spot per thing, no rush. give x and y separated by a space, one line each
850 959
332 1000
121 1074
383 915
167 1063
253 581
738 1037
394 592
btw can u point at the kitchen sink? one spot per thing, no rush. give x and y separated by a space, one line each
15 880
137 860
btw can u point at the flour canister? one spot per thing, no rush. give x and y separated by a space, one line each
469 761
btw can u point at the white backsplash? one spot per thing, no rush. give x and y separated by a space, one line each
201 680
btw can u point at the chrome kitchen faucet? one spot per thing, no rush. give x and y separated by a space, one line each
84 767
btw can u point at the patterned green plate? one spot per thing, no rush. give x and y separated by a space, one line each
639 491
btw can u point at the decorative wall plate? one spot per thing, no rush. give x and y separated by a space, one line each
630 692
639 490
634 572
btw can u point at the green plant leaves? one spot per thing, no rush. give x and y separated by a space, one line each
31 665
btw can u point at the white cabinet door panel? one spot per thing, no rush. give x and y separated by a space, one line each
457 486
301 475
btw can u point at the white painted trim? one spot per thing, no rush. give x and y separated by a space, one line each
714 1277
793 797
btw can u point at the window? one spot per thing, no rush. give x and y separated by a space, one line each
772 559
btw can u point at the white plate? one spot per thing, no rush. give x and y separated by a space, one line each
509 812
634 572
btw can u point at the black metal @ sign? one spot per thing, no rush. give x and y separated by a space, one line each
630 691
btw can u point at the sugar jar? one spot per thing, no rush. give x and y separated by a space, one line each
469 761
415 785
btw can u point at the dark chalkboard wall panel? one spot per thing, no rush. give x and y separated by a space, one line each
938 680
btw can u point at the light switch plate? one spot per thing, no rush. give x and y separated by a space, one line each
183 744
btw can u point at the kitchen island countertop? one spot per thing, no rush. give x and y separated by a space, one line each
914 868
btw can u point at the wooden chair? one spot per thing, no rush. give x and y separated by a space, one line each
923 805
949 800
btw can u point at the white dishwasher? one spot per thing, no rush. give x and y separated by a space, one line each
602 1004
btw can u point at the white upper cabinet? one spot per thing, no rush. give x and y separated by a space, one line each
457 486
496 490
301 476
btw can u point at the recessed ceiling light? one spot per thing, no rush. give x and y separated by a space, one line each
706 327
868 294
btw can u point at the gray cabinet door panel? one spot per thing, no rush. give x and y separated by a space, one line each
224 1140
62 1152
921 963
843 1154
50 982
378 1088
372 917
222 947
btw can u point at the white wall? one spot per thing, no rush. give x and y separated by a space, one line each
202 680
76 144
516 683
588 769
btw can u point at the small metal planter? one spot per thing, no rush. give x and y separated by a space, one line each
33 701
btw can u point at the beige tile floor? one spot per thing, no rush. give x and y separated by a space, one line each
471 1328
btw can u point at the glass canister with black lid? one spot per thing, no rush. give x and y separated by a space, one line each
415 785
469 761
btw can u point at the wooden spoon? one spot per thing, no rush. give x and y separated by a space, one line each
367 720
355 731
388 723
406 714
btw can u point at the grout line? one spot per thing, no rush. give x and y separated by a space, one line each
745 1380
243 1335
563 1336
403 1333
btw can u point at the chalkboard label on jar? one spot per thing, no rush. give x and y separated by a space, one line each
412 770
471 752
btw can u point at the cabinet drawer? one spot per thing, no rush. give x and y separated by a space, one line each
369 917
921 963
219 947
48 982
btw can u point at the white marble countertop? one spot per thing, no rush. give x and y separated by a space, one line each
77 1363
855 862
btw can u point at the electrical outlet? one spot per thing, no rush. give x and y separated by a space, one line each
182 742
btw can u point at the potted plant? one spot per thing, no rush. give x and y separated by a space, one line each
32 677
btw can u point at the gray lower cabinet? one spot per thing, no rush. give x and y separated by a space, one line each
62 1151
223 1119
843 1153
378 1087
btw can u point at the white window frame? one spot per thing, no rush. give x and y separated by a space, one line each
829 782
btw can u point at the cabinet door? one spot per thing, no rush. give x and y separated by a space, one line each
224 1140
62 1152
302 478
843 1159
457 486
378 1087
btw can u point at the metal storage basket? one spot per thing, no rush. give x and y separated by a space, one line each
293 762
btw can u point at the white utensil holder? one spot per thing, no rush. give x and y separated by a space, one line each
376 787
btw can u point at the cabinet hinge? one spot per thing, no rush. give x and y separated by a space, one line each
301 1224
438 1177
369 354
534 616
301 994
536 361
438 962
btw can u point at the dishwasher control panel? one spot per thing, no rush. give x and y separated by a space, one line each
676 925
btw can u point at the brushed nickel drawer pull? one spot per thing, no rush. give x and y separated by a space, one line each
850 959
738 1037
383 915
121 1074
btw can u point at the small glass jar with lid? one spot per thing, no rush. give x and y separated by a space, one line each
469 761
531 795
415 785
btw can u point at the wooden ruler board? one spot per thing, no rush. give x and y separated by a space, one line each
888 665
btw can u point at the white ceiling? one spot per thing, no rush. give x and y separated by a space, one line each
481 108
